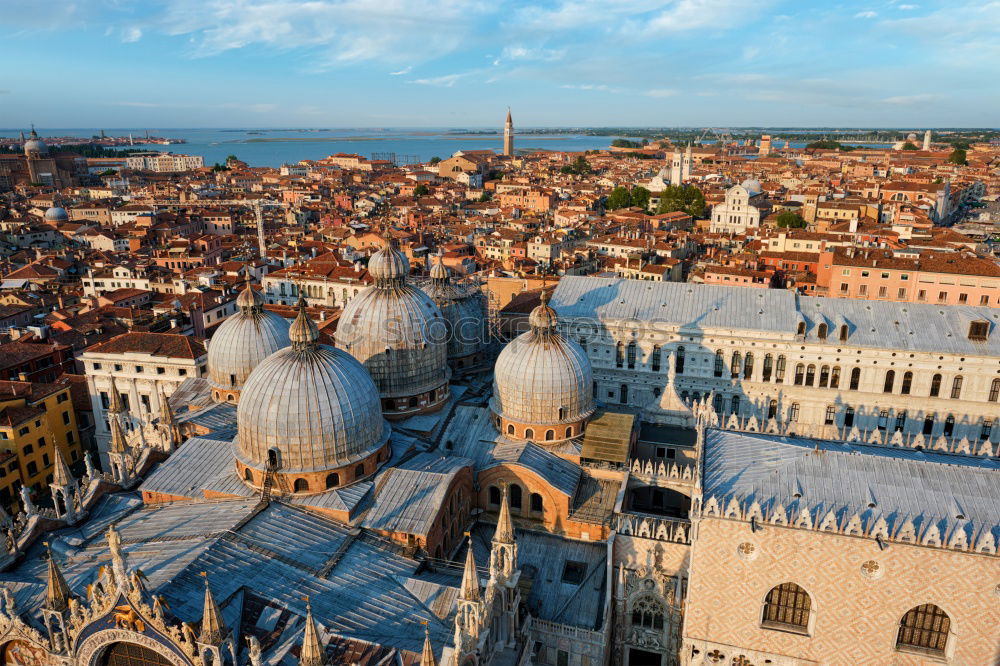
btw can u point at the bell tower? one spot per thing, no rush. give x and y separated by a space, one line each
508 136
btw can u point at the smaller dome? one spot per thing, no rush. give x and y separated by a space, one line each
543 318
303 331
751 185
388 264
439 271
34 144
249 298
56 214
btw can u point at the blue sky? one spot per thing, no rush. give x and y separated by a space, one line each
366 63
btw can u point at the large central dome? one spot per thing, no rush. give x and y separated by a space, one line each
241 343
311 413
543 383
399 335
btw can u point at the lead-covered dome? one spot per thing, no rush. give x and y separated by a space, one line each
313 412
751 185
56 214
398 333
240 344
543 383
463 312
34 145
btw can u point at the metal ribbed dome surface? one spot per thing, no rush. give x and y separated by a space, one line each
388 264
400 336
464 313
316 405
56 214
241 343
541 377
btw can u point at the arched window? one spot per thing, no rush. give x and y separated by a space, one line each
248 475
924 628
623 394
949 426
787 606
890 379
779 369
734 405
536 502
679 364
717 403
793 412
748 366
849 417
800 373
412 402
494 493
272 458
301 485
994 390
332 480
515 496
835 377
772 409
821 331
631 355
719 363
619 355
956 387
824 376
510 428
131 654
562 413
928 424
655 358
907 383
569 432
935 386
802 328
843 333
768 367
735 365
855 378
359 471
810 375
550 435
529 433
647 613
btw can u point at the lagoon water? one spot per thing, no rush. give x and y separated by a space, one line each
274 147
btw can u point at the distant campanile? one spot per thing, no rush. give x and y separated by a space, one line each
508 136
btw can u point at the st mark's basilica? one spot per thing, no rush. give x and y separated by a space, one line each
400 498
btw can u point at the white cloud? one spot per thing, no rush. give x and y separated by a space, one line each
908 8
599 87
336 31
646 18
866 15
909 100
445 81
130 35
521 52
405 70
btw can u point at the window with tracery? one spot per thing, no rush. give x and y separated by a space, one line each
647 613
787 607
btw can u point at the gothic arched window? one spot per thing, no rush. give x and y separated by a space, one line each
647 613
787 606
515 496
494 493
748 366
768 366
536 502
855 378
735 365
719 363
924 628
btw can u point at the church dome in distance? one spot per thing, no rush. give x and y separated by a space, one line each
312 413
543 383
464 315
56 214
241 342
34 145
751 185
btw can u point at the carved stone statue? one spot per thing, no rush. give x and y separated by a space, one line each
29 507
253 649
9 605
91 474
